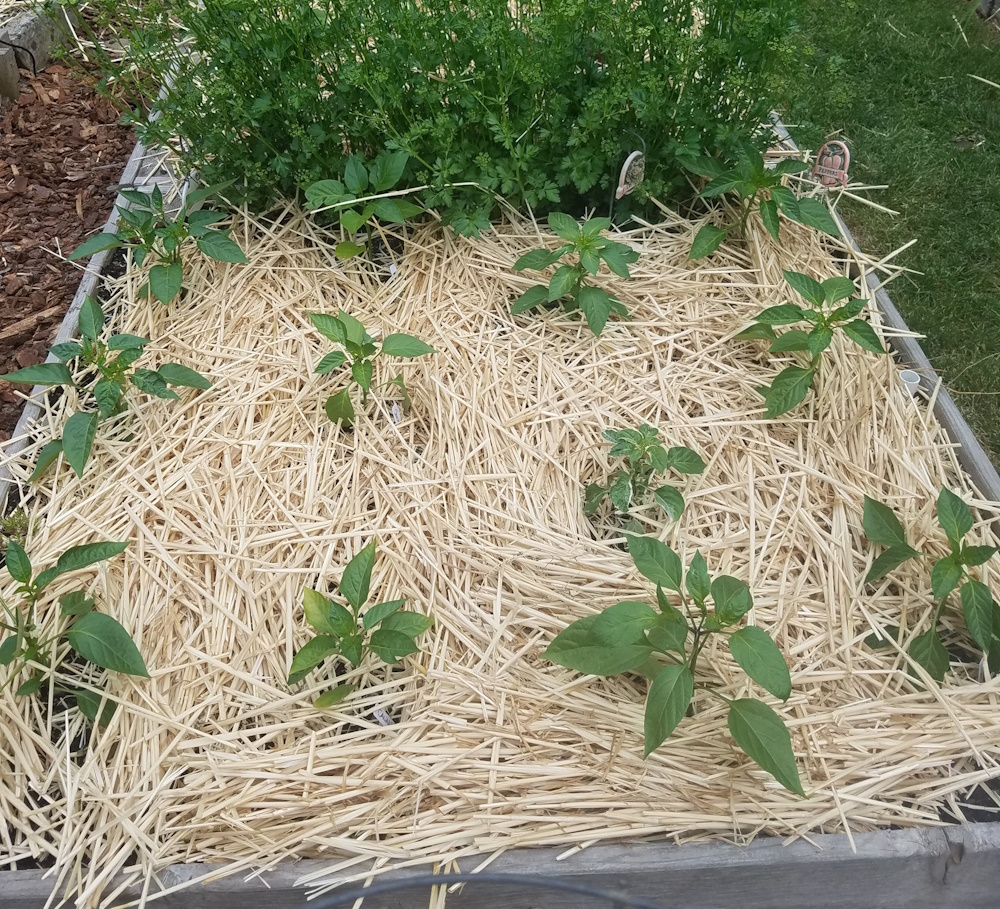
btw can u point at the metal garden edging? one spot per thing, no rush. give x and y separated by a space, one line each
950 867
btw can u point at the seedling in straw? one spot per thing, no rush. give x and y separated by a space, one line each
948 574
384 629
111 362
568 284
751 180
362 187
643 456
39 652
792 384
151 233
360 351
664 645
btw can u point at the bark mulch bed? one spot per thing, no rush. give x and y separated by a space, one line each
61 152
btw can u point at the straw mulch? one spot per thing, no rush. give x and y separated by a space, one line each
237 498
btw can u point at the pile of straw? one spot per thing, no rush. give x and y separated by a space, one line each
237 498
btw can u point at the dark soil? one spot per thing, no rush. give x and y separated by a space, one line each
61 153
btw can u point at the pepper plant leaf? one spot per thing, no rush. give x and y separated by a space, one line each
954 516
103 641
788 390
808 287
669 696
706 241
580 648
769 215
334 696
927 650
732 599
41 374
624 623
339 407
530 299
759 731
862 334
355 582
977 607
945 576
656 561
761 659
596 307
403 345
78 439
671 501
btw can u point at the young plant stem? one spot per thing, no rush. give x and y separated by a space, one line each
937 612
717 694
699 642
746 206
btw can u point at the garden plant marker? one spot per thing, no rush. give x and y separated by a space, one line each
632 174
831 164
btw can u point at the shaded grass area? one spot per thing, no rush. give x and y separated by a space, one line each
894 78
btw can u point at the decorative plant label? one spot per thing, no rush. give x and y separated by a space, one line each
633 172
832 163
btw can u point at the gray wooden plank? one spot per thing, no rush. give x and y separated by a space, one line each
943 868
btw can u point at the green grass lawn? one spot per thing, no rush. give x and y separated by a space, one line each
893 77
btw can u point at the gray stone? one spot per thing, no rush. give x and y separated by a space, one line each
36 34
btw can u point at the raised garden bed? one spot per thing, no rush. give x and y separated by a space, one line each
217 781
241 496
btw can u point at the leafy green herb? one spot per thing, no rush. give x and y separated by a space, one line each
750 179
352 632
664 644
359 352
14 526
643 456
365 186
948 574
152 233
110 366
823 319
568 284
97 638
518 103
